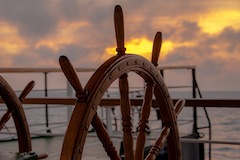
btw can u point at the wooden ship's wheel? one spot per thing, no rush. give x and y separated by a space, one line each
89 97
15 110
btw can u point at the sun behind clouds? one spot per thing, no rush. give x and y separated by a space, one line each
141 46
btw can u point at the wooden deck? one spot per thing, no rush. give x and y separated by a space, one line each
53 145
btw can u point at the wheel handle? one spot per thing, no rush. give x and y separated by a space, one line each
119 30
26 90
71 75
157 44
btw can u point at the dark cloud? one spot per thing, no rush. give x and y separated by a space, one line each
81 56
34 19
231 38
73 10
36 58
69 10
215 56
188 31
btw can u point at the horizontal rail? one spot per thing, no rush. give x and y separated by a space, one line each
175 67
233 103
185 140
47 70
41 70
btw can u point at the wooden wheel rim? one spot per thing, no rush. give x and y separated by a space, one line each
14 105
99 83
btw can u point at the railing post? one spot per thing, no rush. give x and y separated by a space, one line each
194 94
162 72
69 94
109 120
46 106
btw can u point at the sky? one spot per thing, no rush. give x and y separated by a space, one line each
206 34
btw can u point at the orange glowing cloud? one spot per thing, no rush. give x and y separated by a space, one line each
215 21
143 46
66 34
10 42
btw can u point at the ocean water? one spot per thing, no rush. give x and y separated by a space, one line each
225 122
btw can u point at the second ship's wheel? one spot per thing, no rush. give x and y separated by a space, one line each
89 98
15 110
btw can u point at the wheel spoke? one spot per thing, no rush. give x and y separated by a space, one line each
179 106
156 48
72 77
146 108
104 138
5 118
119 30
159 144
26 90
126 117
78 115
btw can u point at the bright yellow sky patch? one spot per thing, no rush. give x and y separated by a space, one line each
215 21
140 46
143 46
66 34
10 42
167 47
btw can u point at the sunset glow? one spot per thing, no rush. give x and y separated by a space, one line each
215 21
10 42
143 47
201 33
140 46
66 34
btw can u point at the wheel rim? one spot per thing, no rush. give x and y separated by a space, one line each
13 104
103 78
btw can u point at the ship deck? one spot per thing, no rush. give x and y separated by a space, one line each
52 145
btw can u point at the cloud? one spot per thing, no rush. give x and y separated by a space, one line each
215 21
38 32
33 19
215 56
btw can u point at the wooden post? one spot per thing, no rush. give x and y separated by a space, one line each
126 117
146 108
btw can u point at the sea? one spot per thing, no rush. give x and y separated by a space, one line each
225 122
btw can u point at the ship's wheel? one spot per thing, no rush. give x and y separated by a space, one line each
89 97
15 110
